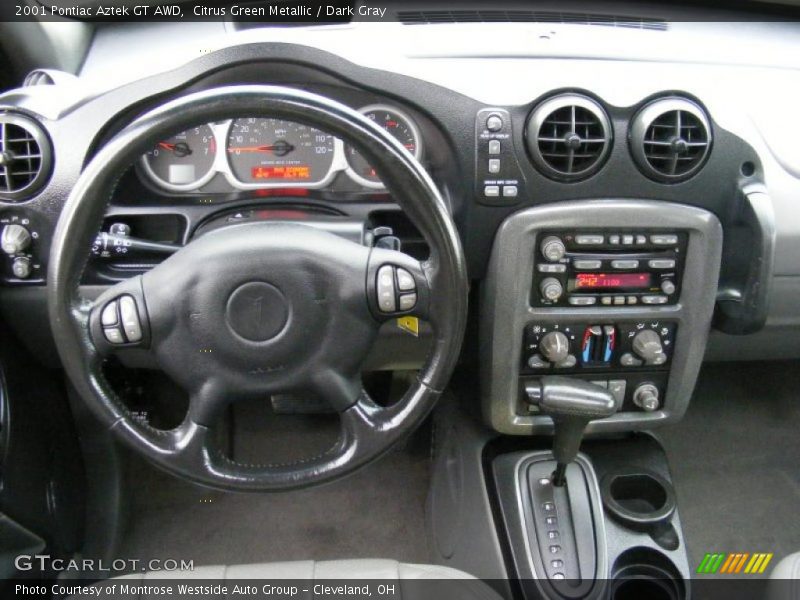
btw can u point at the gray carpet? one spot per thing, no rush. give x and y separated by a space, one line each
375 513
735 459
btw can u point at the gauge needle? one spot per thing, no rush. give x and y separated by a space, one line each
279 148
180 149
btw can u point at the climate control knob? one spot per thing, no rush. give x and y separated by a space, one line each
554 347
553 248
647 346
15 239
551 289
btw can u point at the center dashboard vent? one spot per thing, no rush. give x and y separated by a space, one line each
568 137
670 139
25 157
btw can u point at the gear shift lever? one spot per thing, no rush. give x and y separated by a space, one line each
572 403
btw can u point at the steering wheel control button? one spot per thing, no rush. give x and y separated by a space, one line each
108 317
114 335
130 319
386 289
257 311
408 301
405 282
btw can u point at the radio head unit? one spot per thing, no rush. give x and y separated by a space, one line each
608 268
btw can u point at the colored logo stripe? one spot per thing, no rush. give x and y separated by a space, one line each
734 563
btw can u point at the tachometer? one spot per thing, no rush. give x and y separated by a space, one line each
395 122
184 161
270 151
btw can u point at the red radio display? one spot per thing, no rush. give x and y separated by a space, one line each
602 281
287 172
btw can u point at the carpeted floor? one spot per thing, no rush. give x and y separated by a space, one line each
375 513
735 460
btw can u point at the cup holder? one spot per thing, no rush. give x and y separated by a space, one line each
645 573
640 499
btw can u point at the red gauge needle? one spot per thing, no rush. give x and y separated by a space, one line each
279 148
180 149
166 145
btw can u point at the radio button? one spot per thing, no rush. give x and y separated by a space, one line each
548 268
589 240
582 300
586 265
633 299
664 239
551 289
613 240
641 240
624 264
619 300
668 287
654 299
606 300
553 248
662 263
627 240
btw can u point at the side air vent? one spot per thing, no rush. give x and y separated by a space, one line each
25 157
568 137
670 139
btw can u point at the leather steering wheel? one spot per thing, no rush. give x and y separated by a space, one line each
256 309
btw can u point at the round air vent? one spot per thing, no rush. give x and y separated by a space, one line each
568 137
25 157
670 139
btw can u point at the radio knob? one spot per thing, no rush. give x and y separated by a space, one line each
554 347
668 287
646 397
15 239
551 289
647 345
553 248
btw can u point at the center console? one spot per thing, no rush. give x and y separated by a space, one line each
594 319
615 292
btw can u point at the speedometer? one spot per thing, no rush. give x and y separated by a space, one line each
398 125
184 161
270 151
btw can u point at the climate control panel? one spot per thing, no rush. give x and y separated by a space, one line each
630 358
574 347
608 268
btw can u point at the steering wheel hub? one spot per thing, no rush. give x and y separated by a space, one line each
257 311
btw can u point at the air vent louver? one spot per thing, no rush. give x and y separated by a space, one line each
25 157
670 139
568 137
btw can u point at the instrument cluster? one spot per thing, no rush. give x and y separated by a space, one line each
261 153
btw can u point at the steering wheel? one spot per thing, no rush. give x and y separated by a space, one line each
256 309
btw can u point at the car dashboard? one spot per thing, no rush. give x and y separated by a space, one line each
624 179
